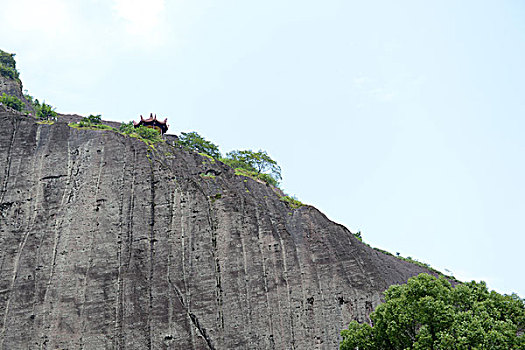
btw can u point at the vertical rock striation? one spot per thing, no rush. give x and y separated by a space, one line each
106 243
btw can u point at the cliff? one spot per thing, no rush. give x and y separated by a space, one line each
106 243
11 87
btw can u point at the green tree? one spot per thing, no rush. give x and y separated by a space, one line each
428 313
148 133
45 112
91 120
142 132
260 162
126 128
7 59
8 65
196 142
12 101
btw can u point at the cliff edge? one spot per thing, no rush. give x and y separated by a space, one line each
106 243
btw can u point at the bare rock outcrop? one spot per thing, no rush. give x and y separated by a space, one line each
106 243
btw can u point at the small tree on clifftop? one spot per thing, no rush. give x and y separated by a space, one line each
260 162
195 141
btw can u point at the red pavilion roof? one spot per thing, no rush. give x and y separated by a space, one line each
152 120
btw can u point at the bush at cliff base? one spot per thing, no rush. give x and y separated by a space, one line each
428 313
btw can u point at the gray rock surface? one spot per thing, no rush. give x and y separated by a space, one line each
13 87
106 243
10 87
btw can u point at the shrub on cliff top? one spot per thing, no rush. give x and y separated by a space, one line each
90 120
7 59
254 164
196 142
8 65
43 111
12 101
259 162
292 201
143 133
46 112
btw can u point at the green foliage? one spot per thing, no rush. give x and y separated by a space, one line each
81 125
418 263
46 122
409 259
127 128
256 176
259 162
91 120
143 133
211 159
428 313
196 142
292 201
28 97
9 72
149 134
8 65
236 164
33 102
269 179
256 165
44 111
215 197
12 101
208 176
358 236
7 59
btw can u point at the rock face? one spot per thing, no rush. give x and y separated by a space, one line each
106 243
13 87
10 87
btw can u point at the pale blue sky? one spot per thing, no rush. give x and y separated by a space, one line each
400 119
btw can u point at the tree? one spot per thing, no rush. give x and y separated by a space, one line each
142 132
8 65
428 313
149 134
92 119
196 142
12 101
45 112
259 162
127 128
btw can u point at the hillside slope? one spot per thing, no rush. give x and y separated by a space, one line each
106 243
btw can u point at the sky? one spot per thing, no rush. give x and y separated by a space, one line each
403 120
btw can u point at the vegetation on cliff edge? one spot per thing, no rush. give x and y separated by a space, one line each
147 135
12 102
8 66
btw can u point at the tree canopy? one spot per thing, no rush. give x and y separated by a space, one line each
8 65
428 313
142 132
195 141
257 165
46 112
92 119
254 164
12 101
258 161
